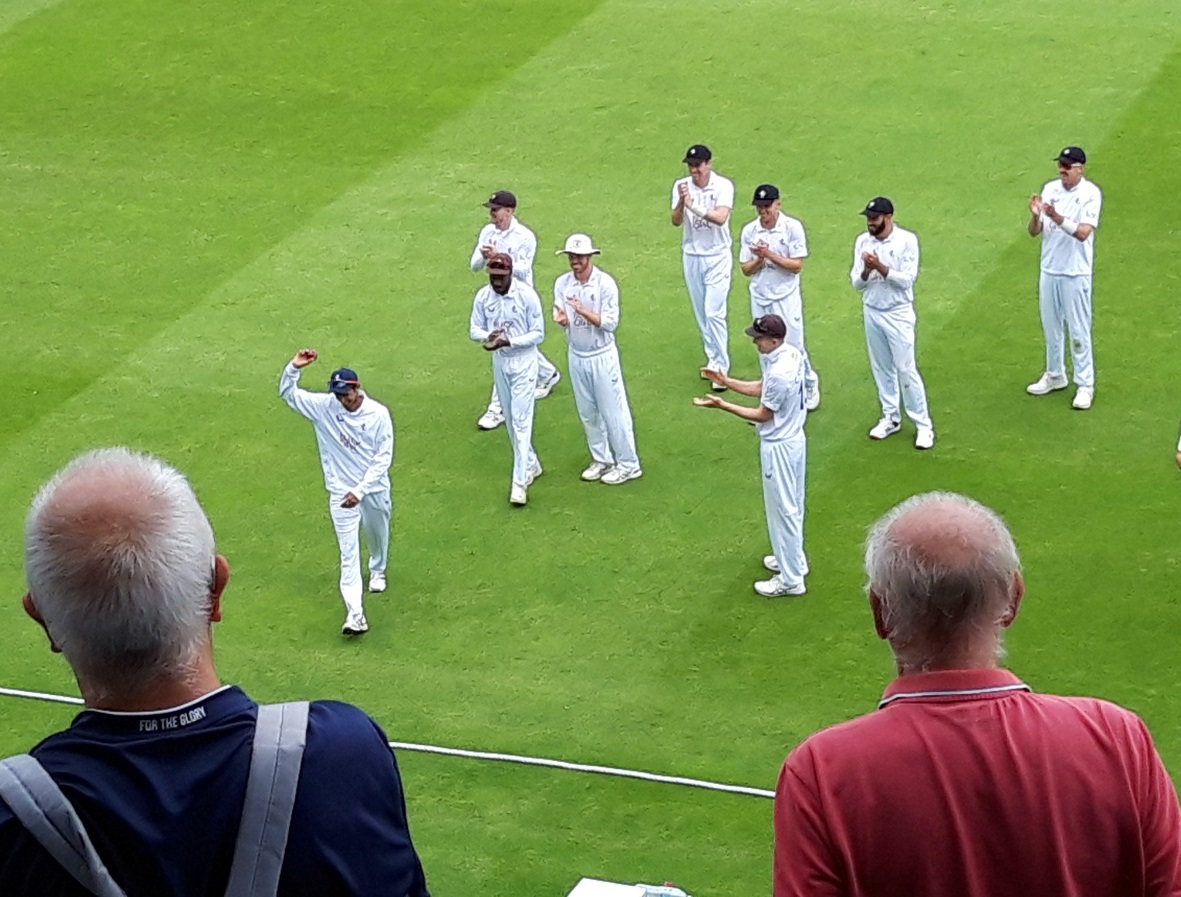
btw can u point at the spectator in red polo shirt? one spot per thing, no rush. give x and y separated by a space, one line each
964 782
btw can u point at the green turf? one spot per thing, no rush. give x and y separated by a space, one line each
192 192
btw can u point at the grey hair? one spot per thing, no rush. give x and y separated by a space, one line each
119 560
940 596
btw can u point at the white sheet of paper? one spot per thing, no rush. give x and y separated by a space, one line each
593 887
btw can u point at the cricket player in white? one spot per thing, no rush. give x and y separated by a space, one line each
506 319
1066 214
779 421
771 253
885 267
355 435
701 205
505 233
586 306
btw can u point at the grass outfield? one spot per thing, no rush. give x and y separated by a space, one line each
191 192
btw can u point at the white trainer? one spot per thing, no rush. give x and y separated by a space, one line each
776 587
1083 398
1046 383
534 472
490 419
924 438
617 475
377 582
544 389
354 624
518 496
595 471
812 395
885 427
771 563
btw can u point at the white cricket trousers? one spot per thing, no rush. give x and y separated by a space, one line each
515 377
889 336
1065 303
708 279
783 464
370 515
601 399
792 312
545 372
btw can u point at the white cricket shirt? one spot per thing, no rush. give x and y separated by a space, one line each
517 241
783 393
600 294
356 447
1062 253
517 314
900 253
698 236
770 283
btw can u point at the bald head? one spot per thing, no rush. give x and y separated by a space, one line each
119 559
101 517
944 579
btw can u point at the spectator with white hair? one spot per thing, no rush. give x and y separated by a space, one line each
178 784
965 781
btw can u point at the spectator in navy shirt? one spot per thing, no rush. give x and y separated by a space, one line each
124 578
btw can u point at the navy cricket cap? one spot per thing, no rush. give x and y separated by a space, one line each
879 205
1072 155
765 194
698 152
501 199
342 380
768 325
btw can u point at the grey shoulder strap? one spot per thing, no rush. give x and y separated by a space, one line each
279 740
41 807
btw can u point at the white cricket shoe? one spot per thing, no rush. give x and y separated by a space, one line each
924 438
518 496
534 472
1083 398
377 582
812 395
354 624
1046 384
617 475
771 563
776 587
490 419
885 427
595 471
544 389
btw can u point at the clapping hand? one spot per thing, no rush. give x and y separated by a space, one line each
495 340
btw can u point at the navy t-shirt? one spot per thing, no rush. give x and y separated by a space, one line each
160 795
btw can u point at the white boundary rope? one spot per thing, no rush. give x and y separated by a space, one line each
488 755
39 696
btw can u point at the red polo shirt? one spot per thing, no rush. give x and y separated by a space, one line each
966 784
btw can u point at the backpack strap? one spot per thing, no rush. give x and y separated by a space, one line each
39 804
279 740
280 736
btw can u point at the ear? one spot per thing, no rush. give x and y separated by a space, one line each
1016 593
879 616
221 576
31 609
